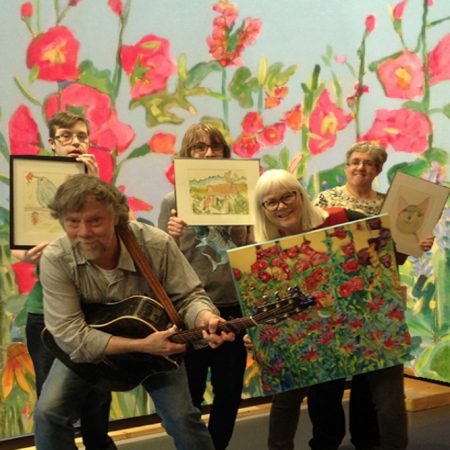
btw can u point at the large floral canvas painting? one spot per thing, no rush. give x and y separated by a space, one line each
357 324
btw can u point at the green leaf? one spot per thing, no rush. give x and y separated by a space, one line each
415 106
270 161
199 72
99 79
276 77
436 155
4 147
242 86
446 110
327 179
139 151
4 179
34 73
416 168
284 158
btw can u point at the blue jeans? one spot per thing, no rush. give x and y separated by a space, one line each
94 416
64 392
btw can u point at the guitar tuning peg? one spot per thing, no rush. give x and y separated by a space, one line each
276 294
293 290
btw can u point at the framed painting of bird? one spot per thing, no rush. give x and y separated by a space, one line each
33 184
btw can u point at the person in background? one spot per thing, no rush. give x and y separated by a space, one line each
377 416
283 209
205 249
68 136
91 264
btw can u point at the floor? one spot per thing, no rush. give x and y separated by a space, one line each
428 430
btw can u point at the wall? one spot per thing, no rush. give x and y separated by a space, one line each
286 79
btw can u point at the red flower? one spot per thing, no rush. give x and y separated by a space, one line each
402 77
55 53
326 337
345 290
23 132
310 356
116 6
106 129
325 121
25 276
350 266
301 265
356 284
396 314
252 123
405 130
170 174
439 61
237 274
162 143
399 9
294 118
370 23
269 334
136 204
272 135
355 324
105 163
26 9
148 64
272 100
348 249
264 276
246 146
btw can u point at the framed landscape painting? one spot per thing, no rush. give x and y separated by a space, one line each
34 181
216 191
357 323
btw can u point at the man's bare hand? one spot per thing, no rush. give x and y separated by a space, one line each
209 321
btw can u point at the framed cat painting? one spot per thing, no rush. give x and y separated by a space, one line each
414 205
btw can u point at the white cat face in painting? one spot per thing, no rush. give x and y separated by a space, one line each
411 216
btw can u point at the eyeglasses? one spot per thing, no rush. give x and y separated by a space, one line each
67 137
273 203
201 148
364 162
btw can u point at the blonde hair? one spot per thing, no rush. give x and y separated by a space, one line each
309 218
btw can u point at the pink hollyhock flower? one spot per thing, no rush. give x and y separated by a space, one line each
439 61
246 146
23 133
105 163
162 143
106 129
170 174
135 204
325 121
341 59
26 10
148 64
405 130
272 135
116 6
252 123
55 53
25 276
225 46
294 118
402 77
370 23
399 9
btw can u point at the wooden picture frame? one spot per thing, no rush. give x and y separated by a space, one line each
414 205
33 183
216 191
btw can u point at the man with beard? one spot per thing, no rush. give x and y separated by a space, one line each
91 264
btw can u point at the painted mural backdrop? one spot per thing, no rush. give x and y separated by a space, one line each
293 83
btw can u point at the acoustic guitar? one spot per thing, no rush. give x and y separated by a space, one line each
137 317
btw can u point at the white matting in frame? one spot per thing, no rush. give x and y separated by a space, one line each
33 184
216 191
415 206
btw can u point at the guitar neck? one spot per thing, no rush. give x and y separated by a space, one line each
195 334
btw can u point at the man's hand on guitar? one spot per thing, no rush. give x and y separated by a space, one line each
159 343
210 322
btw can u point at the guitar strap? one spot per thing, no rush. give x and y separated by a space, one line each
129 239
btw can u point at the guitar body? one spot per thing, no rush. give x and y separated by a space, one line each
133 317
138 316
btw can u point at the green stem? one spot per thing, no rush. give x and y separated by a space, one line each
26 93
38 16
361 70
225 98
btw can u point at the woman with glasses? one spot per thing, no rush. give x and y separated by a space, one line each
205 248
283 209
377 400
